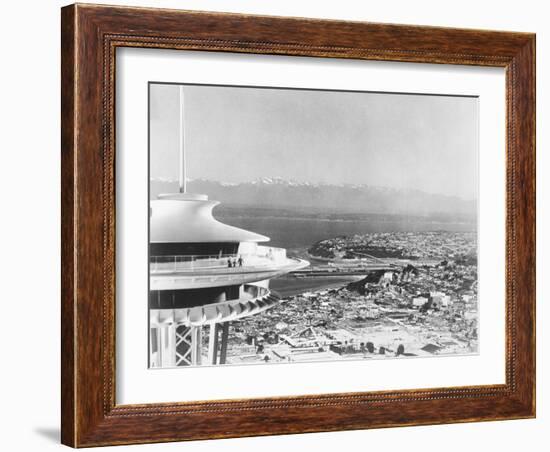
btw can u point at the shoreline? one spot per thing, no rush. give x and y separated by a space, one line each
294 286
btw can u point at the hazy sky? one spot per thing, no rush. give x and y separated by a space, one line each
233 134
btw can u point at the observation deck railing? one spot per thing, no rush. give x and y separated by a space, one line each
263 256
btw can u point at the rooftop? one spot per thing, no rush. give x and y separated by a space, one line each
187 218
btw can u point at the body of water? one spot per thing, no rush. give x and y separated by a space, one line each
288 286
297 233
287 232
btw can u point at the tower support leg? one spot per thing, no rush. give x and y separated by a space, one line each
196 345
223 349
167 345
188 345
155 341
213 344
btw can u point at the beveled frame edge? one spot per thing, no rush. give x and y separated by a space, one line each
90 35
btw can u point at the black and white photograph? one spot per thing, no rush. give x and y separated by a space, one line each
298 225
275 226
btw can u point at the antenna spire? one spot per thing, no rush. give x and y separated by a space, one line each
182 174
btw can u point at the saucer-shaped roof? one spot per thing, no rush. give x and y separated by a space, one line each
187 218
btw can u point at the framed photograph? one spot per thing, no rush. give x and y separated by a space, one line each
281 225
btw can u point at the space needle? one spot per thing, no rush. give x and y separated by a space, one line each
203 275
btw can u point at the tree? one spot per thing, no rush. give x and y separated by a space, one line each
400 349
370 347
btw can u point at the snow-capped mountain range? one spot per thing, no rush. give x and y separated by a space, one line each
277 192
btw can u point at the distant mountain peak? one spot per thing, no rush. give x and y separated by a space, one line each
278 192
278 181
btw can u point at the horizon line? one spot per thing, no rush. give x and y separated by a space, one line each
328 184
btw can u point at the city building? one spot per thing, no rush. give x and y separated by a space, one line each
419 301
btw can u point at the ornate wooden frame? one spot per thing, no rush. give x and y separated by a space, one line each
90 35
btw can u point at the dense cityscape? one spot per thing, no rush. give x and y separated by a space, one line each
408 294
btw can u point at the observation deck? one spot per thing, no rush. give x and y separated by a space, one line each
199 271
